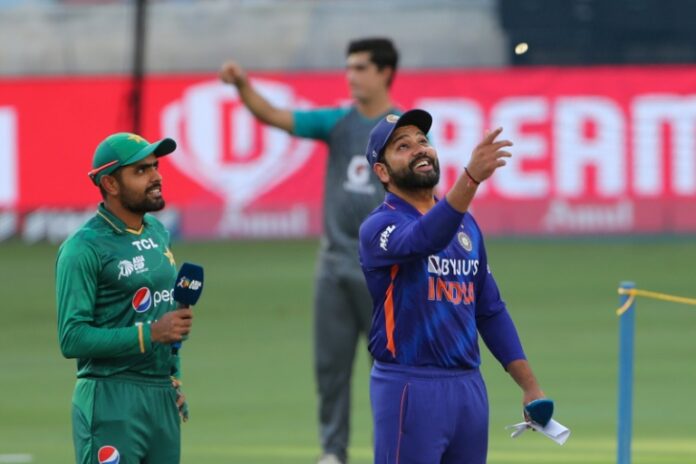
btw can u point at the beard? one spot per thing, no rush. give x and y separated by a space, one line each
141 204
408 179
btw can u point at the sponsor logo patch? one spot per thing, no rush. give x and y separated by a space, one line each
142 300
108 455
384 237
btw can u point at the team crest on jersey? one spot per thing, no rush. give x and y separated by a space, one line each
358 176
142 300
170 256
464 241
108 455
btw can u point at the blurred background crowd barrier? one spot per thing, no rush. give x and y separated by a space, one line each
597 96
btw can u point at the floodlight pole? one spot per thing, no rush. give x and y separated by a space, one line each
139 35
627 322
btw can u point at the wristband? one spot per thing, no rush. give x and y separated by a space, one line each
477 182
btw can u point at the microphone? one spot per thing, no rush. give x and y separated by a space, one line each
187 290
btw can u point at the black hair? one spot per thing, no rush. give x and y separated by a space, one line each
382 52
117 175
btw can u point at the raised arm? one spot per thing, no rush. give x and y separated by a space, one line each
232 73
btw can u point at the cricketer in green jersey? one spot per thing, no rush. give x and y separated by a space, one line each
117 317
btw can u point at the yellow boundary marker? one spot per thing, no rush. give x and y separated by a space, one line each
634 292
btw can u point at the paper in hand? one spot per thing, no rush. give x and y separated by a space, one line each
554 430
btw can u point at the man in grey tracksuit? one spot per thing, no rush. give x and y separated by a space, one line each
342 304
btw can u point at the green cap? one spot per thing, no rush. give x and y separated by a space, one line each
122 149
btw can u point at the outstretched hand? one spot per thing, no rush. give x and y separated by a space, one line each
488 156
232 72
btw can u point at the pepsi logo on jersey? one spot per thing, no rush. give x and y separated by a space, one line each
108 455
144 299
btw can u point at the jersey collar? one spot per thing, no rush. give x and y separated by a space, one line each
118 225
396 202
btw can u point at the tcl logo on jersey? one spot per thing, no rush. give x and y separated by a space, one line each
451 291
448 266
144 298
108 455
144 244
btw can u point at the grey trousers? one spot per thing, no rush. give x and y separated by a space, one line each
342 311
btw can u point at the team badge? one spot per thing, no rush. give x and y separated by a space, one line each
142 300
464 241
170 256
392 118
108 455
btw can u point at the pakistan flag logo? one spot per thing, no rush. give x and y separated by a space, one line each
126 268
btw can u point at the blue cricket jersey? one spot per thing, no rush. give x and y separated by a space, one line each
432 289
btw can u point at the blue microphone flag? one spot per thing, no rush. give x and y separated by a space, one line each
189 284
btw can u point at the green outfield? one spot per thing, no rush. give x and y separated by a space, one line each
248 372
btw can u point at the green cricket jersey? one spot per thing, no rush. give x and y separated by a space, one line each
112 283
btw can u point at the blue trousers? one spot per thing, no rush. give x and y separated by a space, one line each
425 415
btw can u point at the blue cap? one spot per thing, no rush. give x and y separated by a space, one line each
380 134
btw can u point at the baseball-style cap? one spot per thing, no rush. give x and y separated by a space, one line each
122 149
380 134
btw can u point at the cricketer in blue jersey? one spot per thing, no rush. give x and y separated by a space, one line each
342 302
427 271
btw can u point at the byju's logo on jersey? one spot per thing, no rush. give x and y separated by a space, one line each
448 266
142 300
108 455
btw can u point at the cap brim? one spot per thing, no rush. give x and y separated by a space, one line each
160 148
419 118
164 147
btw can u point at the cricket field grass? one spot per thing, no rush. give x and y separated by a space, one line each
247 367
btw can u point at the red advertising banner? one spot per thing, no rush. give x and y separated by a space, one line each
597 150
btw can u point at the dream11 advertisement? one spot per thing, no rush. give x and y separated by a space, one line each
596 150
